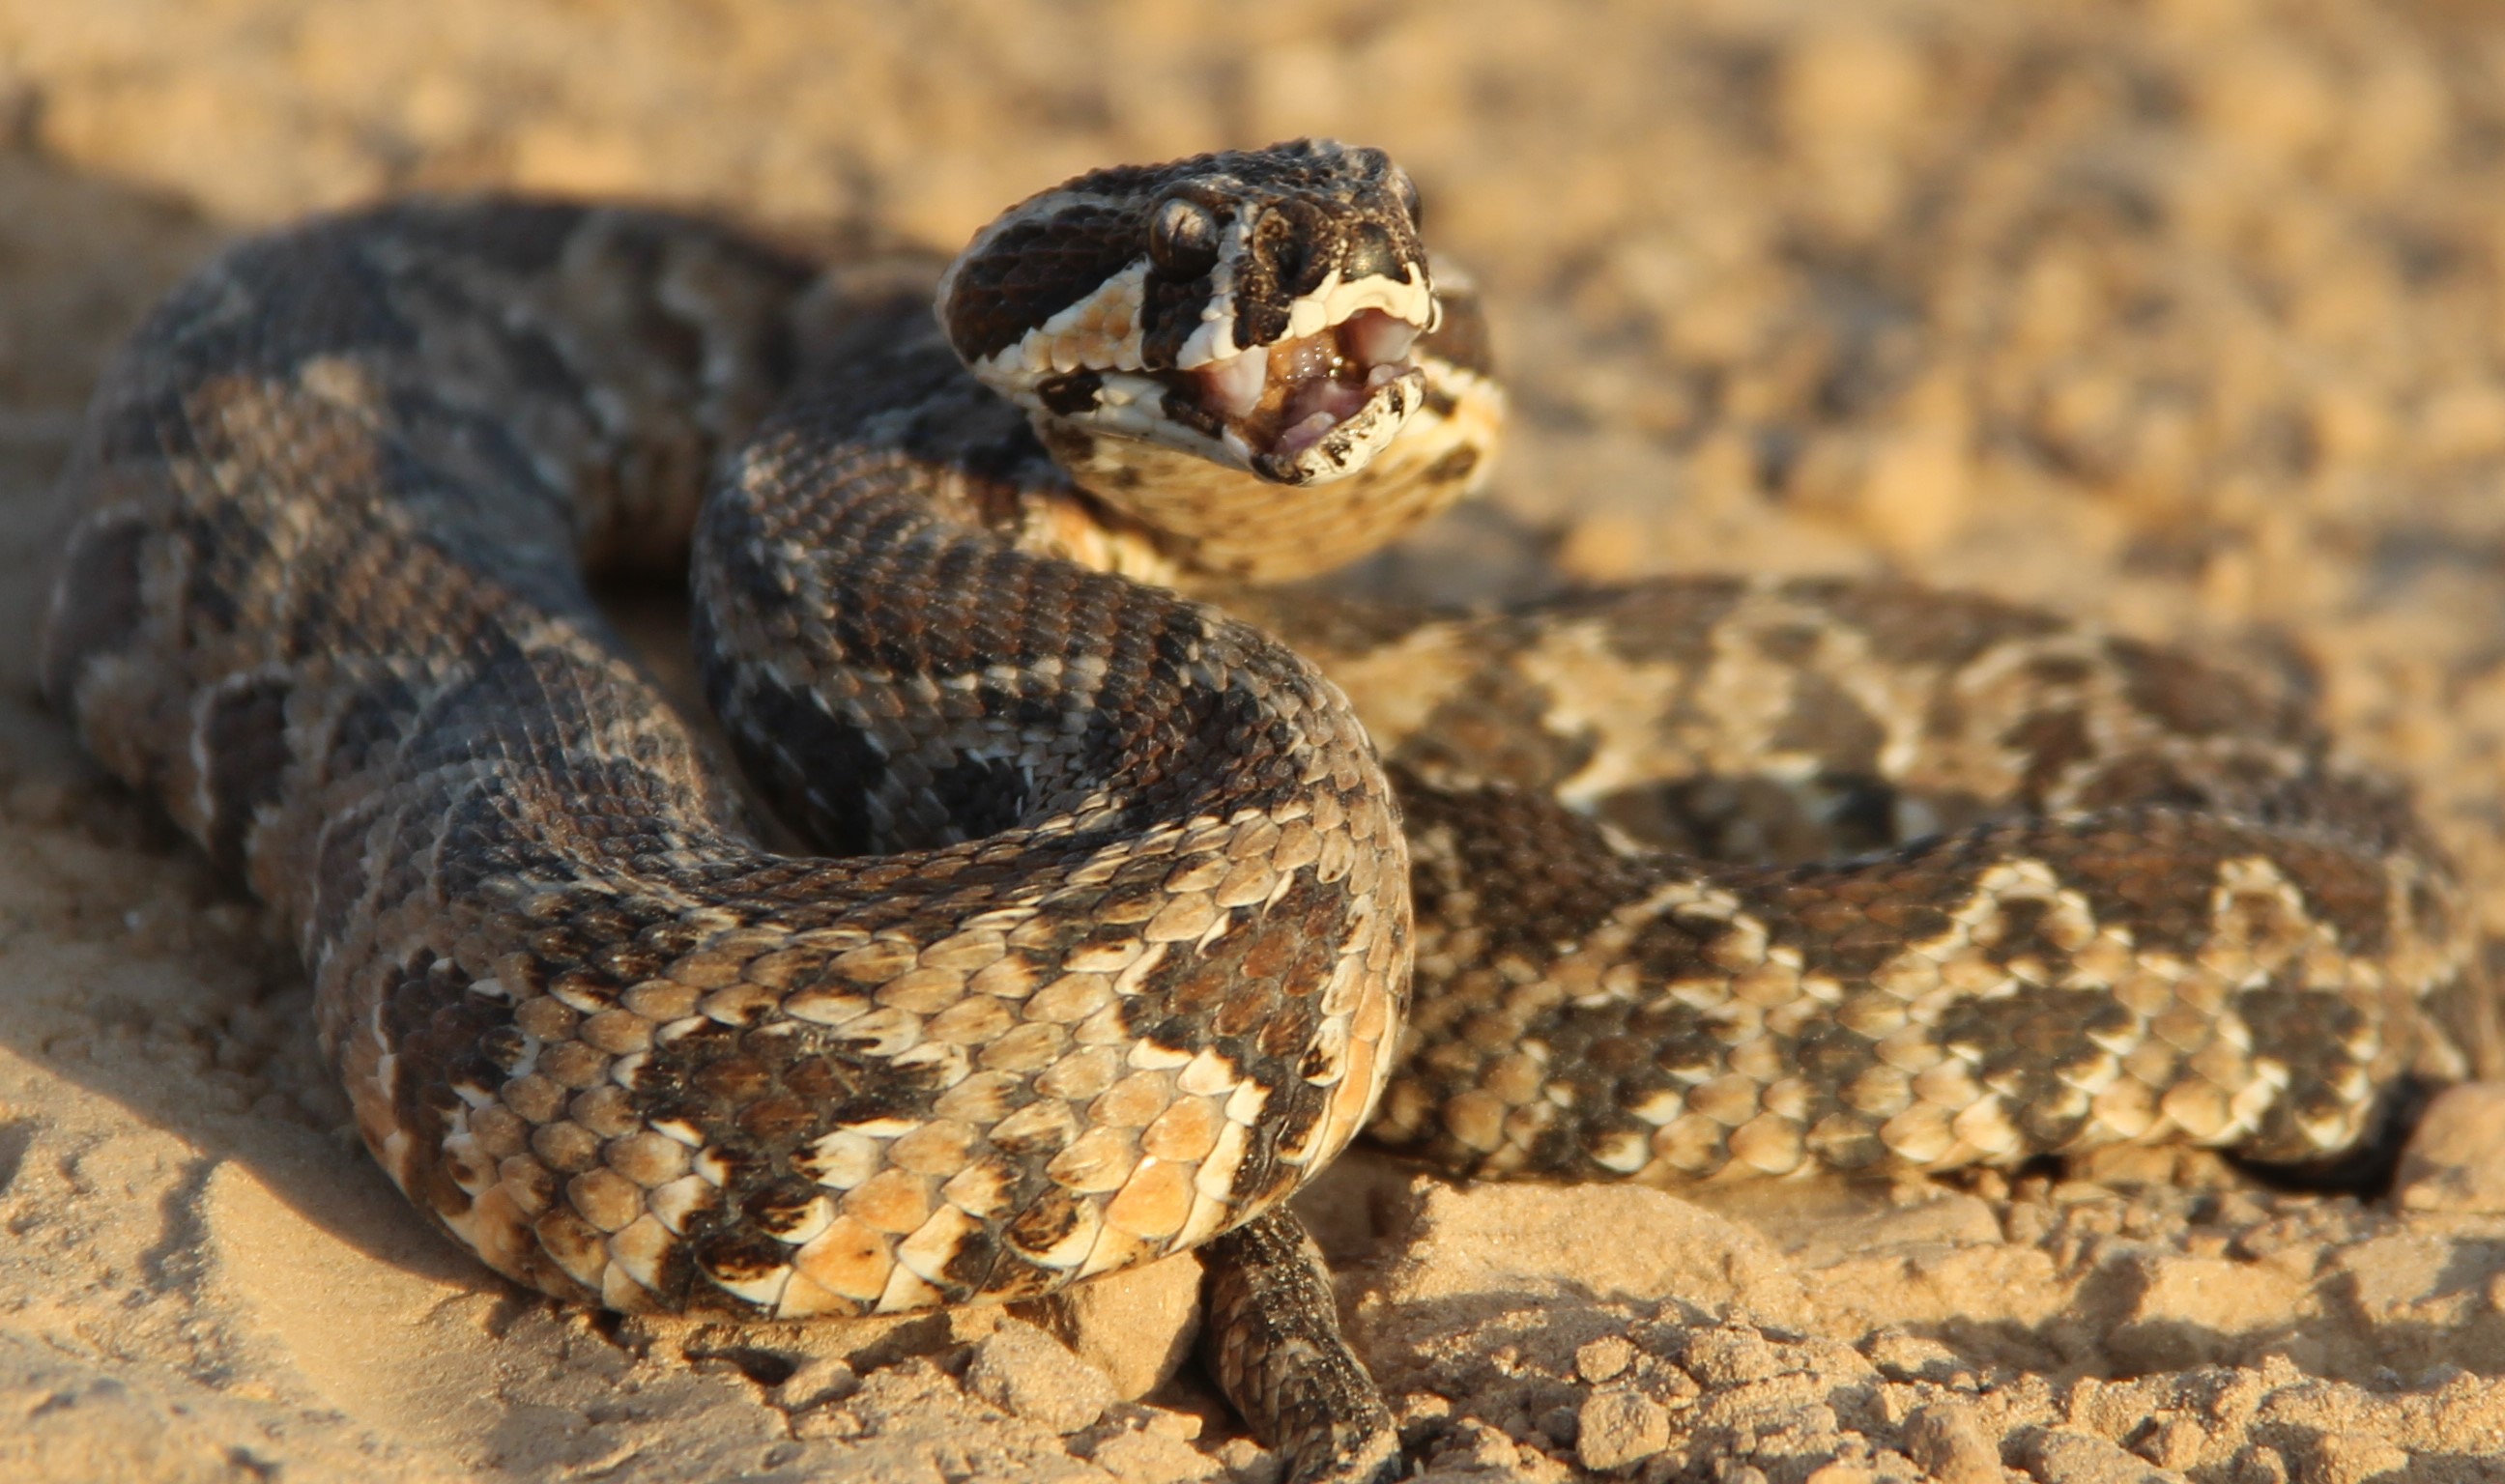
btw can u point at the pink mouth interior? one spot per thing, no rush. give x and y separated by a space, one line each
1287 399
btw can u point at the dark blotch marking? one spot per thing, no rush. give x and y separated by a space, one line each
244 736
1907 625
433 1024
1828 723
739 1255
1071 394
898 1094
1492 727
2192 698
969 1269
1678 623
1047 1222
981 795
1010 1276
778 1120
2053 743
734 1079
1862 813
818 769
1495 828
340 878
373 721
229 552
779 1206
1456 466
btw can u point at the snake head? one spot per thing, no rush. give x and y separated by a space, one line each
1256 308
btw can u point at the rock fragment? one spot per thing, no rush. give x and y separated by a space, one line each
1604 1359
2456 1160
1136 1326
1022 1371
1947 1438
2060 1456
1617 1428
1153 1458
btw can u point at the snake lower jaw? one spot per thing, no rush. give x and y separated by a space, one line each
1332 431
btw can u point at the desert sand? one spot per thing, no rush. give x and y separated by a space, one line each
2186 316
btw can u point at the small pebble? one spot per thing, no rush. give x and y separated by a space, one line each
1604 1359
2258 1464
1947 1438
2176 1444
820 1379
1731 1356
1618 1428
2060 1456
1250 1463
2347 1458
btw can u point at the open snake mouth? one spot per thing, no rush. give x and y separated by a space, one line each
1286 398
1259 315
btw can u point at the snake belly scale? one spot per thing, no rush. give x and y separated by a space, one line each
1113 945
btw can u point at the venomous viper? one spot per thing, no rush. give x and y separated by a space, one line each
1114 942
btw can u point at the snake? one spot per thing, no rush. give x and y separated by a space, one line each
1073 875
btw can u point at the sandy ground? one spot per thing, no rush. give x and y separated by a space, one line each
2188 315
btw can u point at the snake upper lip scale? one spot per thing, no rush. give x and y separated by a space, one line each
1126 905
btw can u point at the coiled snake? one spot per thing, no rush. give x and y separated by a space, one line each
1115 944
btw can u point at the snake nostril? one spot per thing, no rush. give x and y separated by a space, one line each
1287 263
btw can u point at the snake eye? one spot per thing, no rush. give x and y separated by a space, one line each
1182 239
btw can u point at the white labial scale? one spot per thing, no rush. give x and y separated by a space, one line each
1214 337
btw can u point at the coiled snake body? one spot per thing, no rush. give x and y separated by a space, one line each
1116 942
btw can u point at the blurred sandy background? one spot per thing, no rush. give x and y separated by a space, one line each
2187 315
